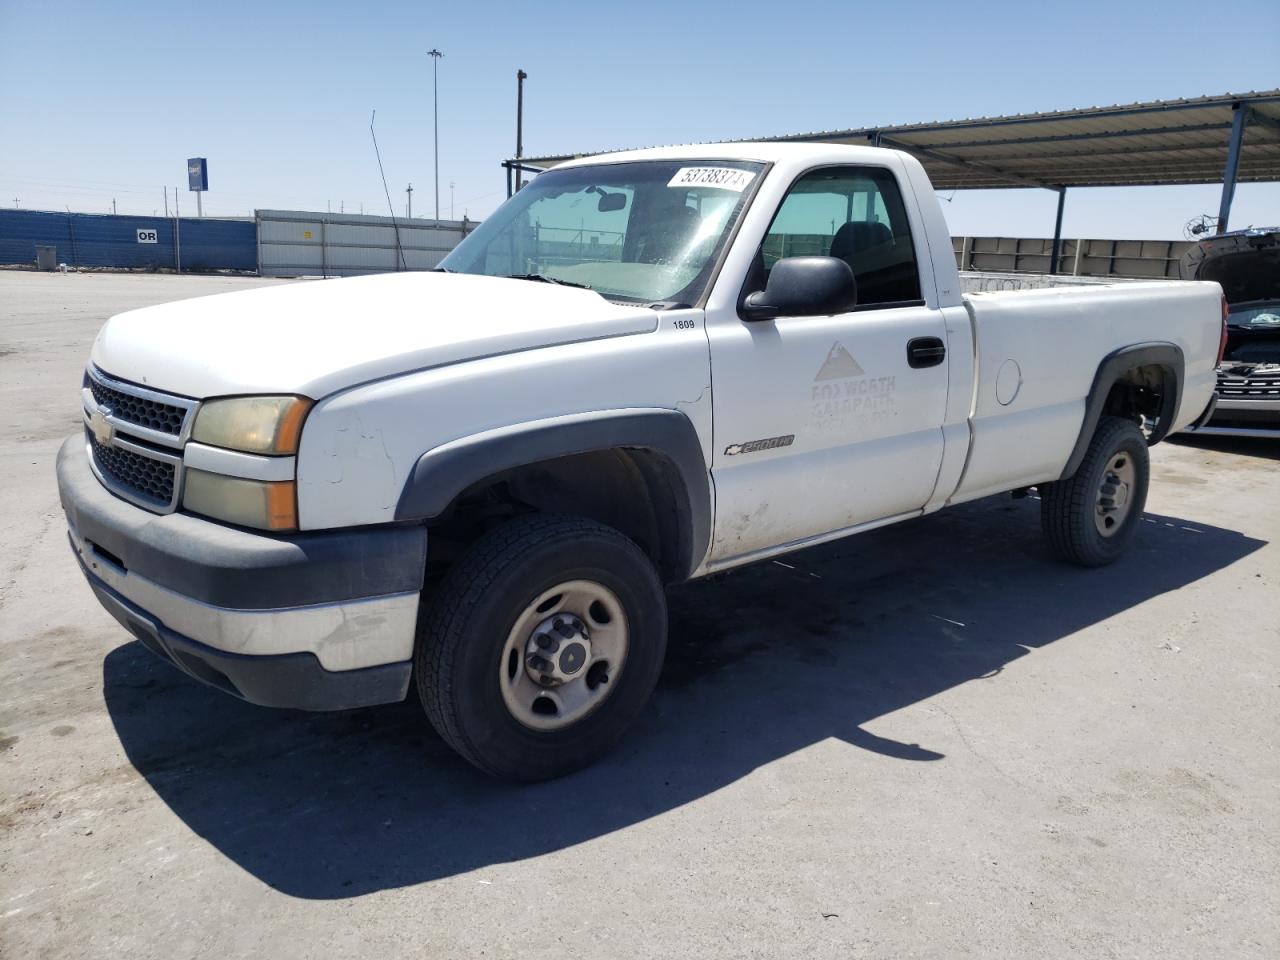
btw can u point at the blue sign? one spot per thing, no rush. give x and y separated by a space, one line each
198 173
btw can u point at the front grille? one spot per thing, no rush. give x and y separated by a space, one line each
140 475
152 414
1249 388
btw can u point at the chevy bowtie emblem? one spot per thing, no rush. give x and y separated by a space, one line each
103 431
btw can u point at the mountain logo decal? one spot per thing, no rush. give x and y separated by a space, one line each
839 365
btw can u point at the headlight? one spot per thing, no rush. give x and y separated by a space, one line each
267 425
263 504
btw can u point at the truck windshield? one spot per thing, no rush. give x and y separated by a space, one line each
643 232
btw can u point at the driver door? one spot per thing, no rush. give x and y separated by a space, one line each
823 423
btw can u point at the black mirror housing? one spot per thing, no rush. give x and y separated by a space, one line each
610 202
804 286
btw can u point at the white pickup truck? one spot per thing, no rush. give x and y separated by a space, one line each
644 368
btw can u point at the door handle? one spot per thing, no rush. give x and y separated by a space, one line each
925 352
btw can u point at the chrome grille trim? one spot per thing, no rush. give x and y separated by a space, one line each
137 439
163 438
1263 388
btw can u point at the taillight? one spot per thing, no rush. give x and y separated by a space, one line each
1222 343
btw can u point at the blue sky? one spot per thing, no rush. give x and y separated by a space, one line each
107 100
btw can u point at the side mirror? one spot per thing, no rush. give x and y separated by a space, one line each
804 286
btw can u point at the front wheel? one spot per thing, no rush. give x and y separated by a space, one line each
1090 517
541 646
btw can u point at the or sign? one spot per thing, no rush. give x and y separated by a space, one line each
198 174
147 236
306 234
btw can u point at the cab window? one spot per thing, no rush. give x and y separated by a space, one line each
855 214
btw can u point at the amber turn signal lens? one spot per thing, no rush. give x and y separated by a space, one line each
261 504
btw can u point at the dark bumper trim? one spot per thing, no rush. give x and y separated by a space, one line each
232 567
292 680
1208 412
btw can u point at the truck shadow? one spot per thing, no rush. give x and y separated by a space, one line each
762 662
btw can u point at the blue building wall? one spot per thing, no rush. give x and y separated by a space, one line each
104 240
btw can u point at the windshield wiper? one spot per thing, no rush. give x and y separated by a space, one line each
543 278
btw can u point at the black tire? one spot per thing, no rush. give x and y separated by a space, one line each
469 616
1068 508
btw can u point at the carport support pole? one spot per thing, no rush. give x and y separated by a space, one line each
1239 116
1057 231
177 231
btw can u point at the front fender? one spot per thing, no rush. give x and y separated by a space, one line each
444 472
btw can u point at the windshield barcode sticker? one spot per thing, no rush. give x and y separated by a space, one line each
722 178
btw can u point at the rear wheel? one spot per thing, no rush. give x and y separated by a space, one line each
541 646
1090 518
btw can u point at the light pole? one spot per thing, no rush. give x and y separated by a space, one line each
435 56
521 77
450 199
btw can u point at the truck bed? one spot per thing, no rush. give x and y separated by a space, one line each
1036 352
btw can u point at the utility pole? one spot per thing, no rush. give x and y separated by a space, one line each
409 191
435 56
177 230
521 77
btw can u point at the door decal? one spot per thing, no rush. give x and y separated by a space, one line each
844 398
839 364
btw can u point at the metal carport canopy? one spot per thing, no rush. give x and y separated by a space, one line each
1164 142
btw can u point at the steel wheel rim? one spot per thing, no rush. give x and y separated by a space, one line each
1115 494
590 615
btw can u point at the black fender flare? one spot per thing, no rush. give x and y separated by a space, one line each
444 472
1115 365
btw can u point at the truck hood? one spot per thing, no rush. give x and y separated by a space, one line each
315 338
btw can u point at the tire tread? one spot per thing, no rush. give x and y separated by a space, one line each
442 632
1066 506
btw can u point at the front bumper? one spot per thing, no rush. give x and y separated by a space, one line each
1237 417
316 621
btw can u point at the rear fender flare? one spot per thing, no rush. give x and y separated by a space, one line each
1167 356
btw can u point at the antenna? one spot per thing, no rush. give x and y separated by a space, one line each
395 226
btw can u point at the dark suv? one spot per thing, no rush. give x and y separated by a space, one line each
1247 265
